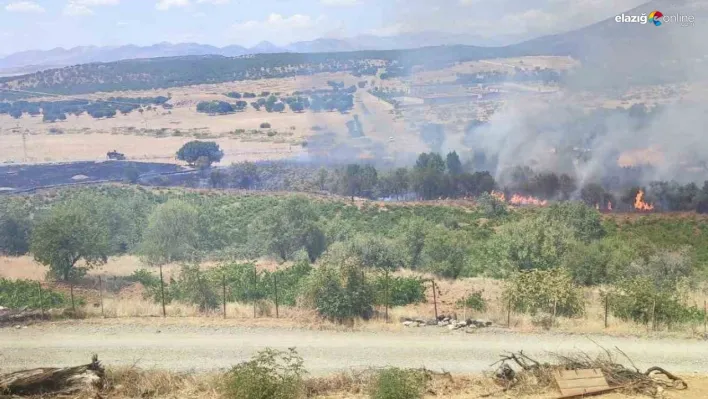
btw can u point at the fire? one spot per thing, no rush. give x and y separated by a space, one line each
517 199
499 195
640 204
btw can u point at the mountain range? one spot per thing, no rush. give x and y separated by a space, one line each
36 60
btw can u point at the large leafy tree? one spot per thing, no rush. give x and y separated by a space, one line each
69 233
429 176
202 151
288 228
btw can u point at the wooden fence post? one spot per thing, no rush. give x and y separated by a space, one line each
71 290
255 282
705 318
386 296
275 288
607 307
508 313
435 300
223 292
100 293
41 300
162 293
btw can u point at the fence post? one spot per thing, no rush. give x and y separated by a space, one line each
223 289
275 288
162 293
435 300
255 281
607 307
100 293
41 300
508 313
71 290
386 296
653 315
705 318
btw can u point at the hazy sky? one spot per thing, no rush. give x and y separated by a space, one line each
45 24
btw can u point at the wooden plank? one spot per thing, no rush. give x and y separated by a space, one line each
578 382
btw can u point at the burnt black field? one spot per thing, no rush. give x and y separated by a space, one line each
15 178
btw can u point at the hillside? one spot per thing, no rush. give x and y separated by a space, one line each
611 52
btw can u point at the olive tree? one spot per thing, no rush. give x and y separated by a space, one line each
171 235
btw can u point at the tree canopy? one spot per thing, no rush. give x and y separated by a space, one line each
207 151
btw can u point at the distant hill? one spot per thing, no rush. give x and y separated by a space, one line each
613 54
89 54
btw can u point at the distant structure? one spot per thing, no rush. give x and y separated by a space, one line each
116 155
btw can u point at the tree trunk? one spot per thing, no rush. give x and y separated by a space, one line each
64 381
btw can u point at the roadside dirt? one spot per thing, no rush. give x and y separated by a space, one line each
153 344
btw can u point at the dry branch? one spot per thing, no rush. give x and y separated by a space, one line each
57 381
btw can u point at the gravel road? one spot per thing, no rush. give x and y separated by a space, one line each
198 348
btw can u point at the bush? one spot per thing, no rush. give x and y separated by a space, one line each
638 299
395 383
194 288
544 291
491 206
20 293
270 374
474 301
265 125
402 291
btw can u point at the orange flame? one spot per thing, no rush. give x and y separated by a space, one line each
640 204
517 199
499 195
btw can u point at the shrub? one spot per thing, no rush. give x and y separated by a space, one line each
638 299
265 125
402 291
20 293
491 206
395 383
270 374
474 301
193 287
544 291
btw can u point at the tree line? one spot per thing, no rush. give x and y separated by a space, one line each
52 111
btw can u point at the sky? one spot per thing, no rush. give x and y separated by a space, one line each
47 24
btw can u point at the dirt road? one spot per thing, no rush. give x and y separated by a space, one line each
202 348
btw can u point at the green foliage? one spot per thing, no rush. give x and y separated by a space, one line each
491 206
402 291
474 301
544 291
396 383
531 243
270 374
14 228
582 220
145 277
605 261
215 107
16 294
338 289
194 288
171 234
445 252
68 233
192 151
638 299
288 228
244 283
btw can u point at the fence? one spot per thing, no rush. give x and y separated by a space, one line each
93 292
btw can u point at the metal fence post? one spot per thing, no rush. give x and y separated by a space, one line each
41 300
435 300
275 289
100 293
607 307
223 287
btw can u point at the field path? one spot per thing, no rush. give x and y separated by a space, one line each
202 348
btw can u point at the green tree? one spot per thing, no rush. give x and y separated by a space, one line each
584 221
445 252
528 244
454 165
411 234
429 176
192 151
70 232
14 228
288 228
171 235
